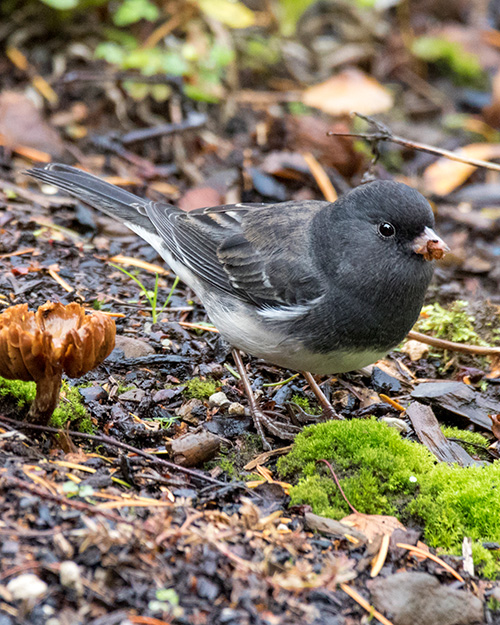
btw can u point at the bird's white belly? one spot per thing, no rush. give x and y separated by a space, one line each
252 336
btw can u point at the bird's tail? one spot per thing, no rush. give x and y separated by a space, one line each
106 197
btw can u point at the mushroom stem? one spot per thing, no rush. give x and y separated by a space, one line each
46 398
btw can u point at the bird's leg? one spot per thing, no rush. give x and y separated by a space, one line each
328 410
261 420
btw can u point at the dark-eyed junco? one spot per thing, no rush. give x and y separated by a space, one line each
307 285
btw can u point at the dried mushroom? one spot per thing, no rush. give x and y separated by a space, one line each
57 339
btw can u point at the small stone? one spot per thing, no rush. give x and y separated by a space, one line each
495 593
135 395
398 424
165 394
27 587
236 409
93 393
218 399
415 350
133 348
403 596
9 548
70 576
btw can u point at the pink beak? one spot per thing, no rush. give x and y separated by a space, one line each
430 245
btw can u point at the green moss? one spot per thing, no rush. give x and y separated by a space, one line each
24 392
70 407
466 436
305 404
382 474
227 465
200 389
456 502
454 324
372 462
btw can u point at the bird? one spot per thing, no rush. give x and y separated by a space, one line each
313 286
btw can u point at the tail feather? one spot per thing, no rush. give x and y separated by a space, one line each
106 197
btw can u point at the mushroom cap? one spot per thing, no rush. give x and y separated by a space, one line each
55 338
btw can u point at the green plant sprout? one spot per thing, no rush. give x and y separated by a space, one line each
151 296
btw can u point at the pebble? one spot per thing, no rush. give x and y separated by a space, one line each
27 587
218 399
133 348
236 409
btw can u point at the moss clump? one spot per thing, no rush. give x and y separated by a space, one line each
377 469
456 502
305 404
227 465
24 392
475 438
383 474
200 389
70 407
454 324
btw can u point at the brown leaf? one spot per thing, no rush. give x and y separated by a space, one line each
21 124
444 176
350 90
372 525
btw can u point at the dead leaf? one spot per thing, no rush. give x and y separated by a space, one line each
21 124
444 176
415 350
230 12
495 424
373 525
350 90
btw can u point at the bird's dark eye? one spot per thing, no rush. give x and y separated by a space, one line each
386 230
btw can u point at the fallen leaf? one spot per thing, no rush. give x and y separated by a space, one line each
373 525
444 176
22 124
350 90
231 13
415 350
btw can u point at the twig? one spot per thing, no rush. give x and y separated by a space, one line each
354 594
479 350
425 554
78 505
383 133
321 177
108 440
193 120
339 486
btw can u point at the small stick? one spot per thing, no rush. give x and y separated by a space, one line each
354 594
383 133
108 440
479 350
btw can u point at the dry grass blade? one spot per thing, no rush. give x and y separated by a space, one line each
425 554
364 604
321 177
379 560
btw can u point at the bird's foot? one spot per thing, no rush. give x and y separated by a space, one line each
267 421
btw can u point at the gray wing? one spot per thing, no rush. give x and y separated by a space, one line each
260 253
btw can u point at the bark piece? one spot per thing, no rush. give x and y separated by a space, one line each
429 433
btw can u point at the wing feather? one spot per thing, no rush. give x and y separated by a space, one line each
258 253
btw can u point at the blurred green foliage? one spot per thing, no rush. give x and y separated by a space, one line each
194 47
450 56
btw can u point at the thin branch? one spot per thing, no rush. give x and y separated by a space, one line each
383 133
108 440
479 350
